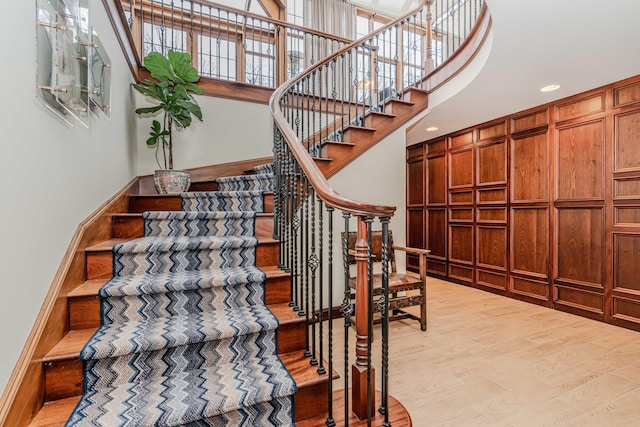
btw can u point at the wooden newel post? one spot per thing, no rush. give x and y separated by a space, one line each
359 368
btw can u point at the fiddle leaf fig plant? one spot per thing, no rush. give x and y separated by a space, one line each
173 92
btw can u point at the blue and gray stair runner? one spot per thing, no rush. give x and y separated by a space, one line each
185 337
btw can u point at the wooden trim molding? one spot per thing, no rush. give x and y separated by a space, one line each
24 393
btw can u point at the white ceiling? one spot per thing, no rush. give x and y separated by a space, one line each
579 44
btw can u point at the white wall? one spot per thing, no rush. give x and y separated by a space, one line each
53 176
230 131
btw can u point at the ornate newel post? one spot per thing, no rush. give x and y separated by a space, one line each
359 370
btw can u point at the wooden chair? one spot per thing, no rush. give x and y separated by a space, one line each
405 283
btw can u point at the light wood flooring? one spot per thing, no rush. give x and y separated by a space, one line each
488 360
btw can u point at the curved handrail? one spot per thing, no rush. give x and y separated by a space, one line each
316 177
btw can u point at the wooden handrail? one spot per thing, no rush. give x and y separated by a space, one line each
313 173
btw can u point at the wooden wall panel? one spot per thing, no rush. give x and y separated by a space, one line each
628 216
530 169
491 247
529 121
626 95
626 260
627 140
492 196
581 246
626 188
461 243
492 131
492 164
530 241
437 232
415 183
436 181
580 301
581 107
580 165
492 280
461 169
461 140
529 288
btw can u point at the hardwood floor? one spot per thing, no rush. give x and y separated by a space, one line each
486 360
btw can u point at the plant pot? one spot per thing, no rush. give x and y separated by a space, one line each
171 181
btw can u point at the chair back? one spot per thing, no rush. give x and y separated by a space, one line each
376 248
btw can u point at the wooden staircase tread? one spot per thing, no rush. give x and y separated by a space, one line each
90 288
402 101
87 289
417 89
69 346
127 214
359 128
303 372
349 144
285 313
105 245
55 413
382 114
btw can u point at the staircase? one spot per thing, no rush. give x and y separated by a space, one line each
159 218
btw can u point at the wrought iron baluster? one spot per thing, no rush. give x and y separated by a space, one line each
383 307
331 422
313 262
321 369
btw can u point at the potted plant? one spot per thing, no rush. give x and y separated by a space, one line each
176 82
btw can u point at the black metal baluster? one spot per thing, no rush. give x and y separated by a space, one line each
313 265
321 369
383 307
331 422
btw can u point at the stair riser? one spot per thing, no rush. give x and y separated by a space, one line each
99 264
399 108
84 312
416 96
129 227
332 151
174 203
63 378
377 121
311 401
355 135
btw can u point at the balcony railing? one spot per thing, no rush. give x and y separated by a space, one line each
226 43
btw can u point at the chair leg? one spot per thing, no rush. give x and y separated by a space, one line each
423 309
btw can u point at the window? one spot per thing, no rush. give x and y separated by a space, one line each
295 12
160 38
259 63
217 57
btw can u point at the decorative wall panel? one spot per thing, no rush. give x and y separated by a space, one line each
580 164
530 169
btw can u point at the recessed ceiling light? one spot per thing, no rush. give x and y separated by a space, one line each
550 88
432 129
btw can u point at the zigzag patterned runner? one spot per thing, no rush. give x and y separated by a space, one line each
262 182
209 201
186 339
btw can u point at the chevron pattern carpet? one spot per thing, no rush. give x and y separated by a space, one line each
186 339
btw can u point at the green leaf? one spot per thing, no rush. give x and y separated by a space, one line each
193 88
149 110
159 66
192 107
181 64
152 141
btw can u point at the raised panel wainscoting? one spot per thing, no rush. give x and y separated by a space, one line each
542 205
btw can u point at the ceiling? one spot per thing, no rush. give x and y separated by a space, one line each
578 44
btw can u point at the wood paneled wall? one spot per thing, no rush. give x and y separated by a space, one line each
542 205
